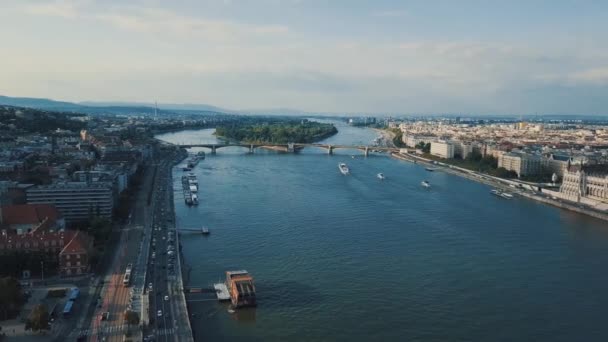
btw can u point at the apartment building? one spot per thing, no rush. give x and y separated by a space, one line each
521 163
442 149
77 201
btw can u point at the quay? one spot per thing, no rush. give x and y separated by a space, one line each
504 184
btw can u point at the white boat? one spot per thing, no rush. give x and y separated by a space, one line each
194 199
425 184
506 195
380 176
343 168
205 231
502 194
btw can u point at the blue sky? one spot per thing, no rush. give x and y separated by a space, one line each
383 56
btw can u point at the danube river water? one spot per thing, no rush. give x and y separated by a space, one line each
353 258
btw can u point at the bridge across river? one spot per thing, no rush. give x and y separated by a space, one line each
292 147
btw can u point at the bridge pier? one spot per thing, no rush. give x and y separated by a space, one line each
330 149
366 151
213 148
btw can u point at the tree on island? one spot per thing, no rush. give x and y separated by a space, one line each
39 319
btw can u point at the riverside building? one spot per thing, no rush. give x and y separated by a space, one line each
442 149
523 164
585 182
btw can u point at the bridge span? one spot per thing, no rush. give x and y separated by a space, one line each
291 147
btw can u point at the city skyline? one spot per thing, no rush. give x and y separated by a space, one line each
356 56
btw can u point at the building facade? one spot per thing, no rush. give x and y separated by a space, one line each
442 149
77 201
585 182
521 163
74 257
462 149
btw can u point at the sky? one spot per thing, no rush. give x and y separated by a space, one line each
341 56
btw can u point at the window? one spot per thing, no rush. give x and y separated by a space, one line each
68 264
78 256
78 263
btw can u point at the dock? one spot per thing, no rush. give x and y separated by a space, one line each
221 290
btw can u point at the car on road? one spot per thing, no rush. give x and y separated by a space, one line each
105 316
166 298
159 313
150 286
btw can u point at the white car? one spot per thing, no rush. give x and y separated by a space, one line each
159 313
166 298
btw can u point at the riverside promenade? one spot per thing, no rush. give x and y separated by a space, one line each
507 185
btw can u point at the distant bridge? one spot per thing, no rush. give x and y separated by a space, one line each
292 147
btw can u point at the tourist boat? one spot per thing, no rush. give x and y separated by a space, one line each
201 155
344 169
185 168
205 231
425 184
380 176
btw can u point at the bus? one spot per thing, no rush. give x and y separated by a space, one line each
74 292
127 279
67 309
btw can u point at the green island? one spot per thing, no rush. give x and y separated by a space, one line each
276 132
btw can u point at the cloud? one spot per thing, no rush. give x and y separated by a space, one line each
153 20
390 13
64 9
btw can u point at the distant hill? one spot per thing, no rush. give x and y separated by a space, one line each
107 107
166 106
37 103
102 107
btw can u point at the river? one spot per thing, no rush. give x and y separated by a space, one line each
353 258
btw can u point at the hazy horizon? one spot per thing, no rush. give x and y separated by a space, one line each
388 56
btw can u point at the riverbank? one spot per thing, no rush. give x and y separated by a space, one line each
386 136
505 185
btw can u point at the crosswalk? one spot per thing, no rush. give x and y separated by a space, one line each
168 331
107 330
117 330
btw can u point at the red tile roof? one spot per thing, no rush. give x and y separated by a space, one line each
28 213
77 245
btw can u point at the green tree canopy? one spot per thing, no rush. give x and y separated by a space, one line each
39 319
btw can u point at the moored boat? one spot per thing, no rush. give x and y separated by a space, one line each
506 195
380 176
425 184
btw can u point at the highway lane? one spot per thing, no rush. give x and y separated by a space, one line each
161 260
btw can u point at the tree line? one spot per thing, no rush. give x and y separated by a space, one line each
276 132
